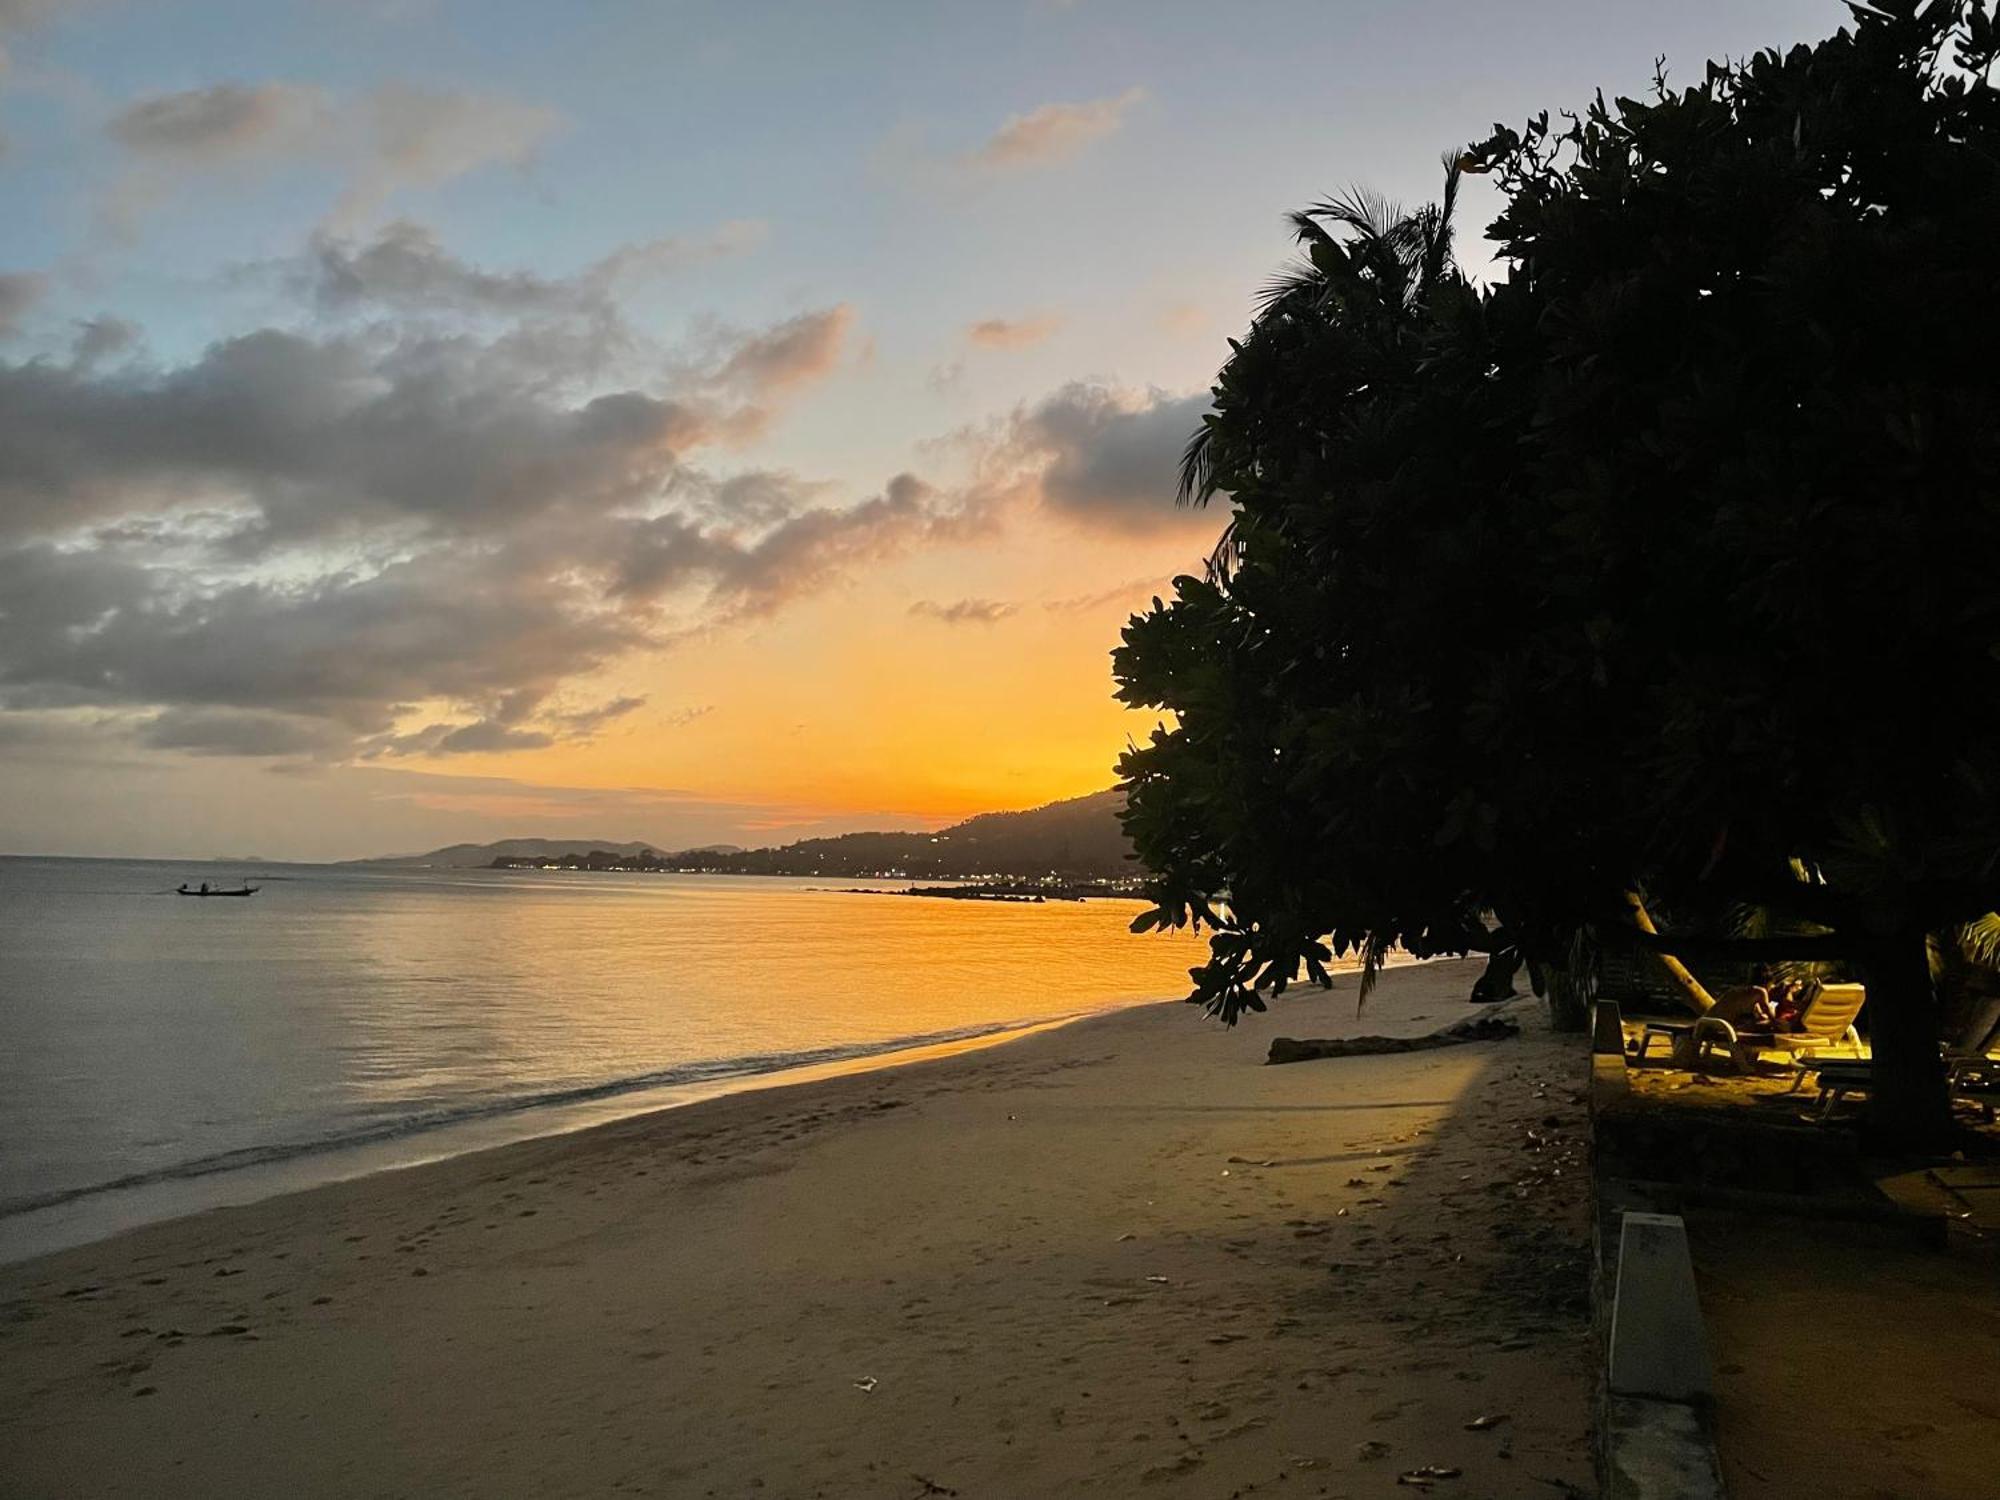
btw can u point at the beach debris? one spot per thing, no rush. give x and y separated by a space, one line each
866 1384
1423 1478
1285 1049
1127 1235
1159 1281
1480 1424
931 1487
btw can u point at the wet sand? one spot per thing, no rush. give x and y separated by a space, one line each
1121 1257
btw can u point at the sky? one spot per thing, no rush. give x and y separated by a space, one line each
428 420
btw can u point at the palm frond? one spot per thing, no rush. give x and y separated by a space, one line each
1222 556
1979 940
1437 249
1301 279
1197 483
1306 230
1367 213
1372 953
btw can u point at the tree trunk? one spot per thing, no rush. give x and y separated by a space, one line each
1696 996
1568 1001
1909 1107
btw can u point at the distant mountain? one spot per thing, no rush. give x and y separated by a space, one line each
479 856
1080 839
1081 836
1077 839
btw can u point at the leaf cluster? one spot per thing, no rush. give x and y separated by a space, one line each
1670 561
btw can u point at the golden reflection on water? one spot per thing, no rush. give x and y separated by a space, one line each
141 1033
591 976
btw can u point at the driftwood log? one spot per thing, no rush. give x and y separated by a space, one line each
1285 1049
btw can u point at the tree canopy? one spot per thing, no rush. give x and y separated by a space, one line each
1667 563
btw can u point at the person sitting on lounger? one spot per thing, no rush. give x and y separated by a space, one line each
1747 1007
1789 999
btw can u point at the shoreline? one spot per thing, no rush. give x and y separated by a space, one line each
61 1219
1119 1253
77 1217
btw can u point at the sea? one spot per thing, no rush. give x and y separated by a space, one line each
161 1054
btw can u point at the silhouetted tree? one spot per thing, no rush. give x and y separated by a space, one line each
1667 566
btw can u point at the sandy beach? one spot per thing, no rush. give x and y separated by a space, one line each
1120 1257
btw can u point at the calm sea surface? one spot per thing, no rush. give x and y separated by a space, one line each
147 1039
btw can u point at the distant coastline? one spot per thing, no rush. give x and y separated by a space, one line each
1031 891
1080 840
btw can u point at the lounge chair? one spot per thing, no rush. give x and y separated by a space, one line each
1827 1021
1678 1033
1971 1072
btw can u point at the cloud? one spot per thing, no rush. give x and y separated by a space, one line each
481 737
1053 132
337 664
235 731
800 349
750 576
315 437
585 720
394 541
1105 457
1133 591
19 292
392 139
403 268
100 338
1019 333
419 138
964 611
222 123
492 631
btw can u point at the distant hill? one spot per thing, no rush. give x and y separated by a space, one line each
1079 839
479 856
1081 836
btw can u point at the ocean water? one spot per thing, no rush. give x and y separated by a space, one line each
149 1042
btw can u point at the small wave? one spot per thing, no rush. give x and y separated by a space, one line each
706 1071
